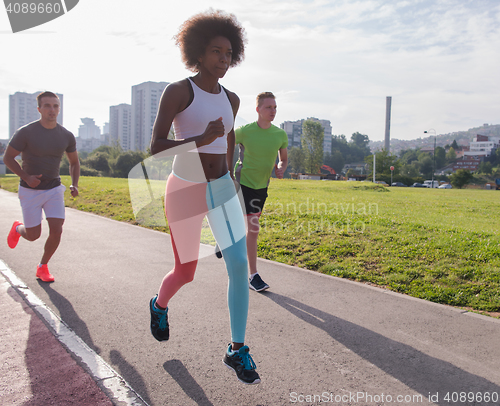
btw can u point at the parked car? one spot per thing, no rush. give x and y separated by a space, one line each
399 184
381 182
430 184
445 186
416 184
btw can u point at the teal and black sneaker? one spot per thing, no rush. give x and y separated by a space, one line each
218 252
242 363
257 284
159 321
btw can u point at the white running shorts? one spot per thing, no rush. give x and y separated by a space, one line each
33 201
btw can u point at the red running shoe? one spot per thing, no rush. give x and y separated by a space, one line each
42 272
13 237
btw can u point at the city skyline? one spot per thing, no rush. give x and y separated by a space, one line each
131 124
335 61
119 129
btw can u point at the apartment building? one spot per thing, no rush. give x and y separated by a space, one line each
89 136
120 125
482 146
145 101
294 132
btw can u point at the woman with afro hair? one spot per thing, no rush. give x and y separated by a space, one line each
202 113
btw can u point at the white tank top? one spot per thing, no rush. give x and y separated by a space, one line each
204 108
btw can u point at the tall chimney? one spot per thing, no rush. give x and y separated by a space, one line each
388 123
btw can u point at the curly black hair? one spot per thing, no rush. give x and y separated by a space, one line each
196 33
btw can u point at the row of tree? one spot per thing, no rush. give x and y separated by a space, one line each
114 162
412 165
106 160
416 166
311 156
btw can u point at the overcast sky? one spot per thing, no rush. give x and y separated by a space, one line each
334 60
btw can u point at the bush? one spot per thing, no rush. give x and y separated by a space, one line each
125 162
86 171
460 178
99 162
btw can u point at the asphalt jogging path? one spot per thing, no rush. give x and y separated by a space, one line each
315 339
36 368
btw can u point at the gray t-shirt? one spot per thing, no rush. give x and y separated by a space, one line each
42 150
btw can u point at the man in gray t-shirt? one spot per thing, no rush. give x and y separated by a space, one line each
41 145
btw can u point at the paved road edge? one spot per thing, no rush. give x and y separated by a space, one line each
386 291
108 380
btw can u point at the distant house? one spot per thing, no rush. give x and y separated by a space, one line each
461 152
429 150
359 167
308 176
313 176
471 156
470 163
445 170
482 146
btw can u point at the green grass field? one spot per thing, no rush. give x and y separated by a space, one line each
438 245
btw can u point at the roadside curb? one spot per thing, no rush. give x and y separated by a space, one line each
108 380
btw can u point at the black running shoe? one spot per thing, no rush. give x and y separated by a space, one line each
257 284
218 252
242 363
159 321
